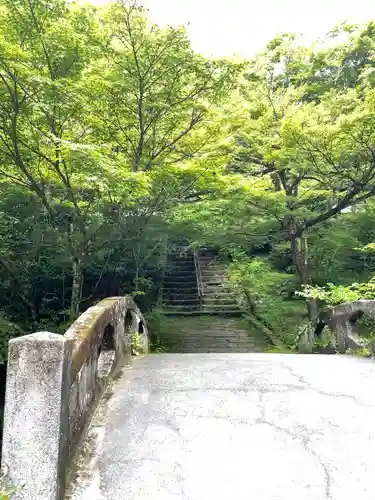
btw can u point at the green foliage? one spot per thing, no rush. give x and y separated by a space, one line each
8 330
366 326
115 135
157 327
7 491
279 350
265 293
337 294
330 294
7 494
108 122
325 339
363 352
137 344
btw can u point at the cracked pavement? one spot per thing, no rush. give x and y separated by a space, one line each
234 427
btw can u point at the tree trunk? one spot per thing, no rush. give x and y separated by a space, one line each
300 258
77 284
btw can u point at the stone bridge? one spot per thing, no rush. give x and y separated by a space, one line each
85 422
54 383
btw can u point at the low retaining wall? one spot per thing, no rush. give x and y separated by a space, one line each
53 385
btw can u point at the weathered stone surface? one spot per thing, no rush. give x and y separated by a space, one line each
372 347
235 427
354 342
341 320
36 415
306 340
212 334
54 383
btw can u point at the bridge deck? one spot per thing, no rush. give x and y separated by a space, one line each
234 427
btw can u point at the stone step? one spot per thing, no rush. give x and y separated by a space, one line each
180 308
178 301
210 345
181 294
224 335
208 255
181 272
209 300
220 290
229 347
201 312
222 279
230 337
220 286
213 265
215 342
213 334
181 263
220 305
180 288
213 274
241 339
213 283
180 285
214 294
208 276
214 280
209 267
215 350
177 278
182 257
226 312
203 348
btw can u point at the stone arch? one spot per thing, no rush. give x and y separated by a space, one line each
76 382
342 321
91 334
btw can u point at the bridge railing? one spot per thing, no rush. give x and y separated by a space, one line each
54 383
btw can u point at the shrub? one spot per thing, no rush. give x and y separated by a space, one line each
266 293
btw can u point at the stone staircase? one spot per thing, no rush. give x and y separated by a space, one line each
211 334
218 298
201 312
180 287
198 285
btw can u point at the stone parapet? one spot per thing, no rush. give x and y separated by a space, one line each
53 385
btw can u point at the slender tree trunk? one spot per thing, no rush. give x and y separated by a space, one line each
77 284
300 257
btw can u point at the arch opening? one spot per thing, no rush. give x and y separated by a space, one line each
106 352
363 325
128 322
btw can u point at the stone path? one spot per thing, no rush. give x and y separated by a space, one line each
234 427
213 334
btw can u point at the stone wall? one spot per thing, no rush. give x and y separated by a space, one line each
53 385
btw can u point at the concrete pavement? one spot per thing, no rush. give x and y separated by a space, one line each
234 427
